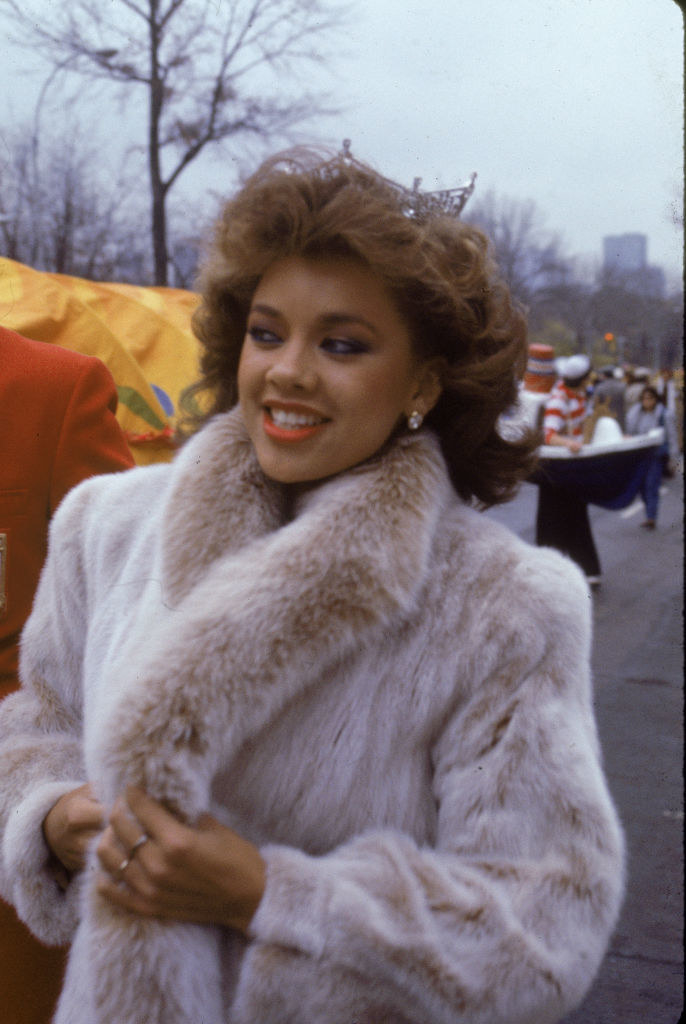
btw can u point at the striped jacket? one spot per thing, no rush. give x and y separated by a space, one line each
565 412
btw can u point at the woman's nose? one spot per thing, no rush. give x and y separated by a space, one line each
292 366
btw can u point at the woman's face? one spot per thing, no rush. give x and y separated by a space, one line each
327 369
648 401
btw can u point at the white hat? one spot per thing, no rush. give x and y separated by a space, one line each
576 368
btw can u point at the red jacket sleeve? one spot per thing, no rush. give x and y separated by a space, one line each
90 439
59 427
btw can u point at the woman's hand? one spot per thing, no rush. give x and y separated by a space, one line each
206 874
69 826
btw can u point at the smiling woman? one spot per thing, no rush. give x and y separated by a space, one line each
434 275
340 725
327 369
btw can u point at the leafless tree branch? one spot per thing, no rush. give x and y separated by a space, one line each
212 71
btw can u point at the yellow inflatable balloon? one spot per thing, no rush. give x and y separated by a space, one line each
143 335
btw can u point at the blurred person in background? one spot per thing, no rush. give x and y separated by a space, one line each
610 391
648 414
637 378
562 520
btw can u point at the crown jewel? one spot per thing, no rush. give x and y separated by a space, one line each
417 204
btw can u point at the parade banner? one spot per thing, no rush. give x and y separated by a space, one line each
609 469
142 334
606 475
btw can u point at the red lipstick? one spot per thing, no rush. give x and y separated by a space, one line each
287 435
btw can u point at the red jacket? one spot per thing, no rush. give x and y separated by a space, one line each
565 412
57 426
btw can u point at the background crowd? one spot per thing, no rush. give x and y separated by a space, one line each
576 413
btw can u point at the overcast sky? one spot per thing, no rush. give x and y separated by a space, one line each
576 104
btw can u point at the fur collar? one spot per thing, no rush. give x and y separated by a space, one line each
221 502
256 608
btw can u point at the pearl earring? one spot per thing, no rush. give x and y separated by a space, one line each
415 420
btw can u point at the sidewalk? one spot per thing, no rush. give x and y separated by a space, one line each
638 666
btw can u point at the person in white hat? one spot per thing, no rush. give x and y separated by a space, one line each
562 517
565 410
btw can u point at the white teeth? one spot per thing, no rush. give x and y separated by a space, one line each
293 420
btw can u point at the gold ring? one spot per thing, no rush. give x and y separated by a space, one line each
123 866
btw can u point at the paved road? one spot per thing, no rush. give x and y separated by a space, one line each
638 669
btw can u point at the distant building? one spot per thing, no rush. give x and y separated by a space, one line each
625 252
626 257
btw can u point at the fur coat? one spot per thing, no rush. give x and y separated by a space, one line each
385 691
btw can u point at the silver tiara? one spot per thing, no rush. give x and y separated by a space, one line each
417 204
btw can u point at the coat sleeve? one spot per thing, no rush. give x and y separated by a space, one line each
40 731
507 916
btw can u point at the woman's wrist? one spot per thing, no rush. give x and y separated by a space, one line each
243 899
48 831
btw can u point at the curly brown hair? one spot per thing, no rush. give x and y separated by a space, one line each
439 271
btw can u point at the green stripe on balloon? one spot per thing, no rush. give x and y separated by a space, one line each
134 401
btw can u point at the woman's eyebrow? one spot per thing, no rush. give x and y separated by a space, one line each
334 319
331 319
261 307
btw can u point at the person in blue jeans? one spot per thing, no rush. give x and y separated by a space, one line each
644 416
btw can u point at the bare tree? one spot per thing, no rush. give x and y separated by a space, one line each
528 255
650 324
19 236
212 70
58 213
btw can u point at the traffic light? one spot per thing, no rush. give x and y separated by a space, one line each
610 341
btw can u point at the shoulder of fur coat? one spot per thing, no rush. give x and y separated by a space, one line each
392 694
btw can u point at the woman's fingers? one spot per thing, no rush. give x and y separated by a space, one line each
70 824
121 845
172 843
127 828
153 818
138 845
112 854
158 866
128 895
